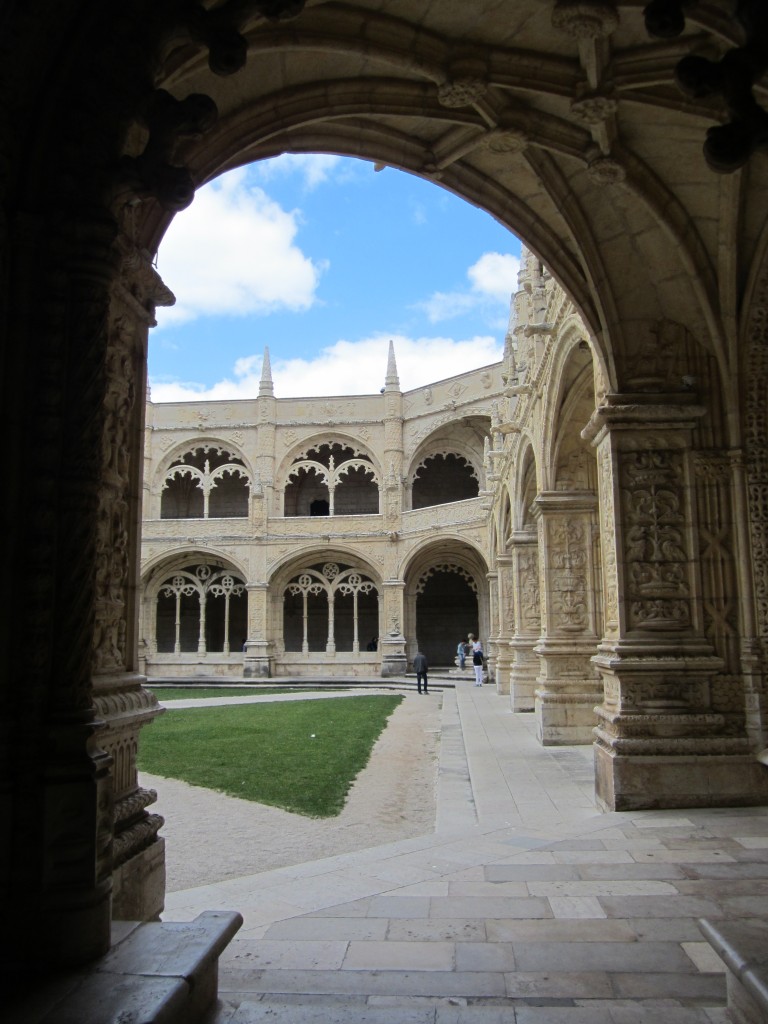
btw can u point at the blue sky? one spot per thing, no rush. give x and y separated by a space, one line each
323 260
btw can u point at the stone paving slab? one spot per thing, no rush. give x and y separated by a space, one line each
525 906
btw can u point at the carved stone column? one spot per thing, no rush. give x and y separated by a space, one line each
567 686
504 620
124 706
527 621
493 626
392 641
257 663
660 742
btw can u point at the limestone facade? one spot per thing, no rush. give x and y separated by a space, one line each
317 537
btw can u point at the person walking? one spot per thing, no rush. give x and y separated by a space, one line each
420 665
477 662
461 651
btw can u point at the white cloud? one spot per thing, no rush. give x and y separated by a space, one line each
345 368
495 275
314 168
492 279
233 252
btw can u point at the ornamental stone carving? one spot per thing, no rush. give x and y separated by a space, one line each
653 486
585 20
461 92
593 108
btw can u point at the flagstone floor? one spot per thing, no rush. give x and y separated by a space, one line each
525 904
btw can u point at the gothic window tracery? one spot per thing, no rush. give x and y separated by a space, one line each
206 482
331 479
201 608
329 607
442 477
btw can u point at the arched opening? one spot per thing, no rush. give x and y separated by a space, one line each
207 481
444 478
446 611
331 479
329 607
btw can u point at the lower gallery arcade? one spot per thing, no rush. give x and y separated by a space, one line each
593 506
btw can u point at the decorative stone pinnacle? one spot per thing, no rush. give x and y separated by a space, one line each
266 387
392 381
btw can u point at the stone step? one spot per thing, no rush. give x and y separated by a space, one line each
362 1010
155 973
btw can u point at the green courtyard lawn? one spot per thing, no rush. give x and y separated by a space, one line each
302 756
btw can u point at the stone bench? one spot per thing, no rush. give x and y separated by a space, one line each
743 946
155 973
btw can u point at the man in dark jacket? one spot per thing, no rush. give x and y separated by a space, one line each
420 666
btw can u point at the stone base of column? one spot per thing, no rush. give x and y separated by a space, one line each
566 717
394 661
502 668
567 692
523 677
674 768
257 663
138 885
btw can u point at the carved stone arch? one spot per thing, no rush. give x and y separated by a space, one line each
152 572
178 451
195 604
446 597
570 460
447 566
505 522
314 442
526 488
204 478
330 475
445 469
327 604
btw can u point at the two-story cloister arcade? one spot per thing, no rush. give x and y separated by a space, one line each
327 537
624 544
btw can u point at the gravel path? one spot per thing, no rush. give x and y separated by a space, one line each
210 836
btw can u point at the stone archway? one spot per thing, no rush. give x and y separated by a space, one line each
549 116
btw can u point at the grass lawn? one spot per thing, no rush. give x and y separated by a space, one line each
302 756
165 693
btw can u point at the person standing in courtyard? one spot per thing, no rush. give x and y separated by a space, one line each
420 666
461 651
477 662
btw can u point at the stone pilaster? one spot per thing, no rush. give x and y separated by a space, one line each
504 620
257 662
122 704
392 640
493 649
567 687
659 743
527 620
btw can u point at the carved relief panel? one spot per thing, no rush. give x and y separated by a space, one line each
656 554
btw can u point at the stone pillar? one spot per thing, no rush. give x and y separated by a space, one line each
527 620
493 626
505 623
122 703
659 741
257 663
567 687
392 642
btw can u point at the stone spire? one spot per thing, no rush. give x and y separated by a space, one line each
392 381
266 386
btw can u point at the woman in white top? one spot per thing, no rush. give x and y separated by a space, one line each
477 662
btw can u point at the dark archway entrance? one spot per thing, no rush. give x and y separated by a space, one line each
446 611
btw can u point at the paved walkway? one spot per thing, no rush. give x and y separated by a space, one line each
525 905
